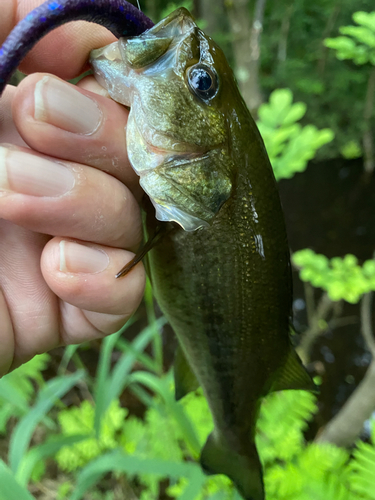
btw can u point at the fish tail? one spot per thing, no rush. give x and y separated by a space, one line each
242 467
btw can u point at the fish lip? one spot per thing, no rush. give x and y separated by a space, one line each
180 21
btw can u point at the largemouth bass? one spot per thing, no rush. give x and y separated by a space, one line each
222 275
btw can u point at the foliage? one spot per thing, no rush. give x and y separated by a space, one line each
172 6
188 4
362 468
289 145
351 150
16 389
80 420
342 278
359 45
296 58
149 449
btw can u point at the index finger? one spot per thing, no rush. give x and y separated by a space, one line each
65 51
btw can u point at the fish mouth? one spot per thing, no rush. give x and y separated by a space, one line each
179 22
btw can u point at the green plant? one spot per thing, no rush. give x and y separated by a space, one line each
165 443
289 145
342 278
17 389
80 420
359 44
351 149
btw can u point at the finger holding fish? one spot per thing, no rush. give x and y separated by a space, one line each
82 274
68 199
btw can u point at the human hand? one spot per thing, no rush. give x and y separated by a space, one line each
69 216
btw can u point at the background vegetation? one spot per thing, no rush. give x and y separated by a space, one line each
99 421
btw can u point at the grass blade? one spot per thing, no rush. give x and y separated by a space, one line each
125 364
21 436
102 379
119 462
10 489
101 396
194 488
157 344
141 357
67 356
161 386
41 452
111 386
143 396
12 395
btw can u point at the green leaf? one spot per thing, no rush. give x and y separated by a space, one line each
362 470
80 420
10 489
102 379
41 452
21 436
366 19
195 485
342 43
162 387
281 99
351 150
295 113
362 34
342 278
111 386
13 396
289 145
69 352
117 461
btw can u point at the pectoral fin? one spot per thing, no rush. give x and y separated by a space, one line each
184 379
293 375
160 231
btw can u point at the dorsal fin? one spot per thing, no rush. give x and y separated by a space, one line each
293 375
184 379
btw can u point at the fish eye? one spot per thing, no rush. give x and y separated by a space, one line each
203 81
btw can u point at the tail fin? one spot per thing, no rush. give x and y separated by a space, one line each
244 468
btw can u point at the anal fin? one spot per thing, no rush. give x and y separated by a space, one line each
293 376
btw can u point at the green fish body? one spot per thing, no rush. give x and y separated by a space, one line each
222 275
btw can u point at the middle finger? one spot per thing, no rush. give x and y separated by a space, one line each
62 120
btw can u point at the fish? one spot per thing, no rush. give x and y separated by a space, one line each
220 266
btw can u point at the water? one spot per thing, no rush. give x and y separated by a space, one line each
330 209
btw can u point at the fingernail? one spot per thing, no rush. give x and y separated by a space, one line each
76 258
25 173
63 106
